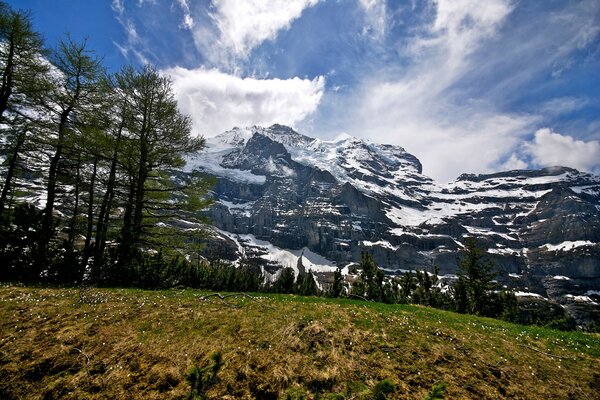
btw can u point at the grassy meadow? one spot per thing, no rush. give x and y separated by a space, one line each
128 343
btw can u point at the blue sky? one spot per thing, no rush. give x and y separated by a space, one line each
465 85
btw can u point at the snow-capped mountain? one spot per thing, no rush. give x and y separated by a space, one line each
281 193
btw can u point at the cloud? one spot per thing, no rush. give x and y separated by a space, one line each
550 148
134 44
244 25
417 109
562 105
376 12
514 162
188 20
118 7
448 102
217 101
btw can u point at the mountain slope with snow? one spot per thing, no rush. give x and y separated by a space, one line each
341 197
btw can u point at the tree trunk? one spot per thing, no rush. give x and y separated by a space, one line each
47 221
7 78
73 222
136 227
90 220
126 244
106 206
12 165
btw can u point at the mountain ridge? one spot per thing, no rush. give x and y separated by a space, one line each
340 198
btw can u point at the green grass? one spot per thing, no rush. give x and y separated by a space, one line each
130 343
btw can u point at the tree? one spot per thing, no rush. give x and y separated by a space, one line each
472 291
306 284
111 139
75 95
157 138
337 287
370 282
22 70
285 281
20 58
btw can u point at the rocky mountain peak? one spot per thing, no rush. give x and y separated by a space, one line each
284 193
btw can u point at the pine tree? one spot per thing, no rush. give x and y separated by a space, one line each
337 287
158 136
475 280
370 283
22 70
285 281
20 51
76 93
306 284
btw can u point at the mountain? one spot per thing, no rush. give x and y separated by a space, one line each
282 197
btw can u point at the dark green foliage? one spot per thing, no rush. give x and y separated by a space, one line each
202 378
337 287
461 296
437 392
476 293
21 67
285 281
370 282
382 389
20 230
306 284
475 278
407 286
509 306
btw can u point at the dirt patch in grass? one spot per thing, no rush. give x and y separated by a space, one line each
124 343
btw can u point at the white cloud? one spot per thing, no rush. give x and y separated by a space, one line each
133 44
244 25
550 148
562 105
459 28
188 20
217 101
417 110
376 12
118 7
514 162
445 105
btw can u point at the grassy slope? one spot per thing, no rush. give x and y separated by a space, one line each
124 343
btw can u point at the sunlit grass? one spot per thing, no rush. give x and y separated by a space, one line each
130 343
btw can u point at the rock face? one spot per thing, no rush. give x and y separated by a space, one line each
280 193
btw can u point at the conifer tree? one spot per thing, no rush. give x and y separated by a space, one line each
370 282
22 69
157 138
75 95
337 287
21 48
473 288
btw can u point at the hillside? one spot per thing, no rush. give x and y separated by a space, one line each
125 343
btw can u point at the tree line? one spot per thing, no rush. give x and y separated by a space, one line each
90 159
474 292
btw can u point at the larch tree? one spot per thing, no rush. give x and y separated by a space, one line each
21 66
157 137
76 93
